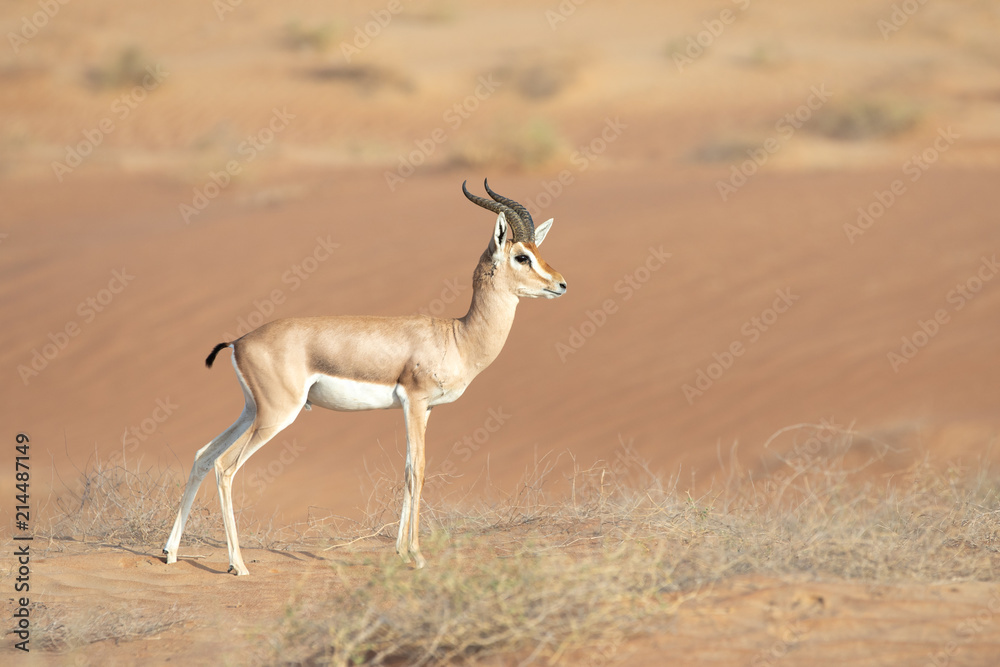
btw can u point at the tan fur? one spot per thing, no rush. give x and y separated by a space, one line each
422 361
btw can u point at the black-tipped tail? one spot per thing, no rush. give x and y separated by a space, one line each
215 351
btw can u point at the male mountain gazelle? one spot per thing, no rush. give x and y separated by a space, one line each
367 363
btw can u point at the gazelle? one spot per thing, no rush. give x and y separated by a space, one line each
369 363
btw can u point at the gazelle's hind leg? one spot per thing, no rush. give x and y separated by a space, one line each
203 462
231 461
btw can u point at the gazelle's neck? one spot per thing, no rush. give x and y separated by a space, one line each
481 334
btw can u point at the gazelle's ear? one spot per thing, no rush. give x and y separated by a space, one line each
500 234
541 230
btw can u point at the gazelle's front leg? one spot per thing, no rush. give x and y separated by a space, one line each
415 412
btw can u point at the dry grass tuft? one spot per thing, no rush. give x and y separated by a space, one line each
318 37
540 78
862 119
126 69
528 145
57 629
469 604
366 79
115 503
728 149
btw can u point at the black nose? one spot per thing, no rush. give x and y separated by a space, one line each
563 285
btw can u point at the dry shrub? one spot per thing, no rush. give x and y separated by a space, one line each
434 11
58 629
538 76
126 69
729 149
528 145
861 119
542 576
541 80
467 605
319 37
366 79
112 503
115 503
767 54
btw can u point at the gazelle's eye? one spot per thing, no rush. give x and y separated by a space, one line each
522 259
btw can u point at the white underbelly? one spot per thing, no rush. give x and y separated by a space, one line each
336 393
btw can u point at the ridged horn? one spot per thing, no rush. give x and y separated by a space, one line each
522 212
522 232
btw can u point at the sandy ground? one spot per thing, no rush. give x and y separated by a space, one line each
743 621
705 310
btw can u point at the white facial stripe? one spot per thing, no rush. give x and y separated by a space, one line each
536 266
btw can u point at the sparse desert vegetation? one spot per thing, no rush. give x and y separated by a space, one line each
515 146
613 561
561 566
60 628
124 69
866 118
318 37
